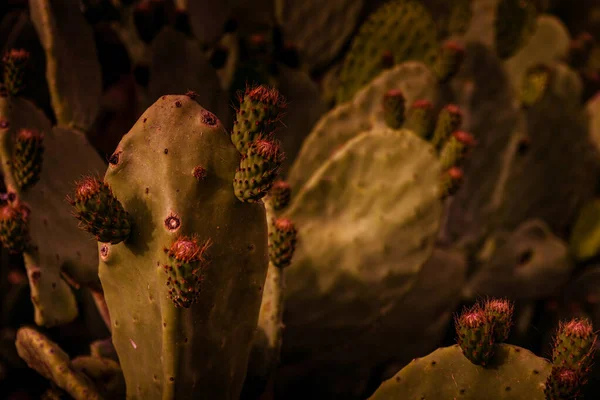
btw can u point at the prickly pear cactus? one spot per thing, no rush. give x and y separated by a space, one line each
446 373
402 27
75 95
347 120
320 29
584 242
514 23
57 248
194 276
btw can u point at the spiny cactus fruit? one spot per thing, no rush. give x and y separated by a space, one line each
99 212
476 337
575 345
402 27
14 62
456 148
449 60
280 195
515 23
501 312
563 384
27 158
420 118
14 227
449 120
207 302
282 242
393 108
257 116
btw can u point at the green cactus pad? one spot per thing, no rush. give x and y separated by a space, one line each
27 158
50 361
61 247
515 373
154 180
99 212
529 263
584 242
346 252
402 27
319 28
347 120
515 23
68 42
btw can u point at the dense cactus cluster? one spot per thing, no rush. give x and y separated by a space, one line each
289 199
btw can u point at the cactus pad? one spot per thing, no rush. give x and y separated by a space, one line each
515 23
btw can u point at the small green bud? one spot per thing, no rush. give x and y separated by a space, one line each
258 170
420 118
15 61
282 243
27 158
475 332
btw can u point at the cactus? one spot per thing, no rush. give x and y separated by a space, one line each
15 62
584 242
321 29
402 27
188 254
515 23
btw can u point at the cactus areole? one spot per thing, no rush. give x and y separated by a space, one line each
184 288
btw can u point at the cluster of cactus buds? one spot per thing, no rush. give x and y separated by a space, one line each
259 111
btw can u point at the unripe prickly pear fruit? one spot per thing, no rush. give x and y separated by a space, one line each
420 118
456 149
280 195
393 108
258 169
14 228
500 311
99 212
282 242
259 111
449 60
562 384
574 345
27 158
451 180
15 62
449 120
534 84
187 258
475 331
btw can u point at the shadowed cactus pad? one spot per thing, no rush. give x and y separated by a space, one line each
515 23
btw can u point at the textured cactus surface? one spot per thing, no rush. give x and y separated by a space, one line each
76 94
320 29
154 174
58 247
402 27
515 373
515 23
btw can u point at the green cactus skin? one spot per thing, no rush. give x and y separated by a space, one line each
154 180
514 373
420 118
99 212
456 149
574 345
15 61
535 84
515 23
50 361
280 195
58 249
27 158
393 108
257 171
449 120
449 60
476 335
501 312
14 227
259 112
562 384
584 242
75 95
403 27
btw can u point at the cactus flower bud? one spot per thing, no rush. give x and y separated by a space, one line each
449 120
14 229
282 243
258 170
449 60
420 118
500 311
575 345
15 62
280 195
563 384
27 158
476 337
